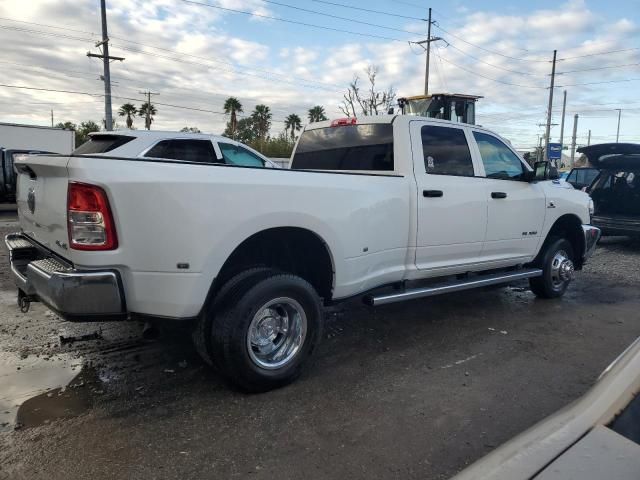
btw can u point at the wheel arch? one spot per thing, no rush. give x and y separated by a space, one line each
295 250
567 226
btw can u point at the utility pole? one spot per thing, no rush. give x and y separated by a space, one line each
618 131
589 138
548 130
147 119
52 118
428 49
108 117
573 140
564 109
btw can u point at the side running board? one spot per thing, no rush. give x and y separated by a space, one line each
449 287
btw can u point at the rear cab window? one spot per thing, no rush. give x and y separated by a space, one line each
102 144
446 151
361 147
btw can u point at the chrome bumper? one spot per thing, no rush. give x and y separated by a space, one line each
74 294
591 237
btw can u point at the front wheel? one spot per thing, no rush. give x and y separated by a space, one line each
266 331
556 261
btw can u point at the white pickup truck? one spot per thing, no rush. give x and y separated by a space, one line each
389 208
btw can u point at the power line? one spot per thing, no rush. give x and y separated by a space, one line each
598 83
493 79
336 4
315 12
487 50
236 70
295 22
599 68
491 64
600 53
99 95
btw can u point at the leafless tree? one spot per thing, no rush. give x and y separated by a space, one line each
370 101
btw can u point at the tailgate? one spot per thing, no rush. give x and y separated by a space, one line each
42 199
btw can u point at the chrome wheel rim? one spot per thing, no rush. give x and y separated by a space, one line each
562 269
276 333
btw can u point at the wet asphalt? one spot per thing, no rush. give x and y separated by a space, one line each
412 390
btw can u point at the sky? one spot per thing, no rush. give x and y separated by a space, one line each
294 54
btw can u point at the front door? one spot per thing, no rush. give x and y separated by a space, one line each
451 199
516 208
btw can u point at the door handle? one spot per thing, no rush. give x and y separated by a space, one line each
498 195
432 193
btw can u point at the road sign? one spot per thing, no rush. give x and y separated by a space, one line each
555 151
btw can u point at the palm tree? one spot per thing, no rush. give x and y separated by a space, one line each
232 106
128 110
293 123
143 113
261 117
317 114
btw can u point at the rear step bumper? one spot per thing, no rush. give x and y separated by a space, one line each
456 286
73 294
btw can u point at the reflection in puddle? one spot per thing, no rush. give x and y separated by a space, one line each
35 390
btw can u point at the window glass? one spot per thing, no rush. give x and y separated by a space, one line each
237 155
446 151
499 161
573 176
347 147
101 144
188 150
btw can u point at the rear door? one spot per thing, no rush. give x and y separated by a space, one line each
516 208
451 199
41 195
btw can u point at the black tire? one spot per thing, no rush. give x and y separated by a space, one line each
231 344
201 332
548 285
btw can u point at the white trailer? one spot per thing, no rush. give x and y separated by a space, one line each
34 137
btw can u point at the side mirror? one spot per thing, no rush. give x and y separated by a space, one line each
541 171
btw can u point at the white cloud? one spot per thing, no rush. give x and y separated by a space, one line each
217 60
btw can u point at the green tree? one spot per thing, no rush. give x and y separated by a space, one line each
261 117
293 123
143 113
84 129
317 114
67 126
128 110
245 132
232 106
190 130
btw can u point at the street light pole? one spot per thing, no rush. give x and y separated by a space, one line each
618 131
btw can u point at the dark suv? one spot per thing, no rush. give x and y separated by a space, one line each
616 189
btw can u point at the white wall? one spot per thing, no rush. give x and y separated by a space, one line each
37 138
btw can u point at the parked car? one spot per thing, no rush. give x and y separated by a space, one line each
581 177
121 229
596 437
186 147
7 174
616 190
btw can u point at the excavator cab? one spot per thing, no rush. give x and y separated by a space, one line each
455 107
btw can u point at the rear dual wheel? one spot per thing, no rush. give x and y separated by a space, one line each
261 329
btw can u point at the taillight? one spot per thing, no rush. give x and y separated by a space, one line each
341 122
89 218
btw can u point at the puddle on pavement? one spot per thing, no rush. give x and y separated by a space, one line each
36 390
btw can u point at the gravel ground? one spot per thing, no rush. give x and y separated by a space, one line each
414 390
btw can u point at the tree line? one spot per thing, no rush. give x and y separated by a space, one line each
254 129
